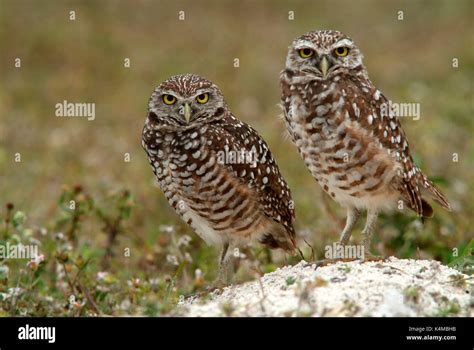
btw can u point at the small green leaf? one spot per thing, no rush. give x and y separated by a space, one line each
290 280
4 272
18 219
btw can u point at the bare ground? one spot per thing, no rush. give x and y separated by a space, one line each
392 287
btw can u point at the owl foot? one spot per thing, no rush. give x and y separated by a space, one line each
325 262
371 257
216 288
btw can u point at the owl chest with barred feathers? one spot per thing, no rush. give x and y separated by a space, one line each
211 195
337 135
186 172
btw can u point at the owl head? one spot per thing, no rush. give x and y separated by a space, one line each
184 101
323 54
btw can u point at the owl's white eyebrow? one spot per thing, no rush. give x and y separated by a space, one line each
201 91
170 92
303 43
344 42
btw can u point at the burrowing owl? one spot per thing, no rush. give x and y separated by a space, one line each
216 171
350 140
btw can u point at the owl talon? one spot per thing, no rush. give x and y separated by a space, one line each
325 262
217 286
370 257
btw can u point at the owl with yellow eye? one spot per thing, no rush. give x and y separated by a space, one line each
193 143
350 140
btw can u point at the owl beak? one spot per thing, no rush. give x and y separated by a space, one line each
324 66
187 112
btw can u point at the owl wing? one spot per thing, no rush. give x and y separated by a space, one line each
385 126
247 158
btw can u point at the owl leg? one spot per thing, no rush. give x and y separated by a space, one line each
368 231
352 217
225 260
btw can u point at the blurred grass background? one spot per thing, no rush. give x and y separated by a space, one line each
83 61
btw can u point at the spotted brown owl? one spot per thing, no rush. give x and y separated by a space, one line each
216 171
348 137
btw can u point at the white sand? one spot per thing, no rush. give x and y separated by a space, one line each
388 288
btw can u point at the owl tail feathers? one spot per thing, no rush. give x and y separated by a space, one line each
434 192
426 209
421 207
412 195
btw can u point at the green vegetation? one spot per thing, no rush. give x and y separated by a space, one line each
112 245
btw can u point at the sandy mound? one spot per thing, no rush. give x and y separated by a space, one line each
389 288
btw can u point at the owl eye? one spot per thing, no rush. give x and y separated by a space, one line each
341 51
169 99
306 53
203 98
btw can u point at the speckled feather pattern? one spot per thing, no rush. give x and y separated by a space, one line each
223 200
359 156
